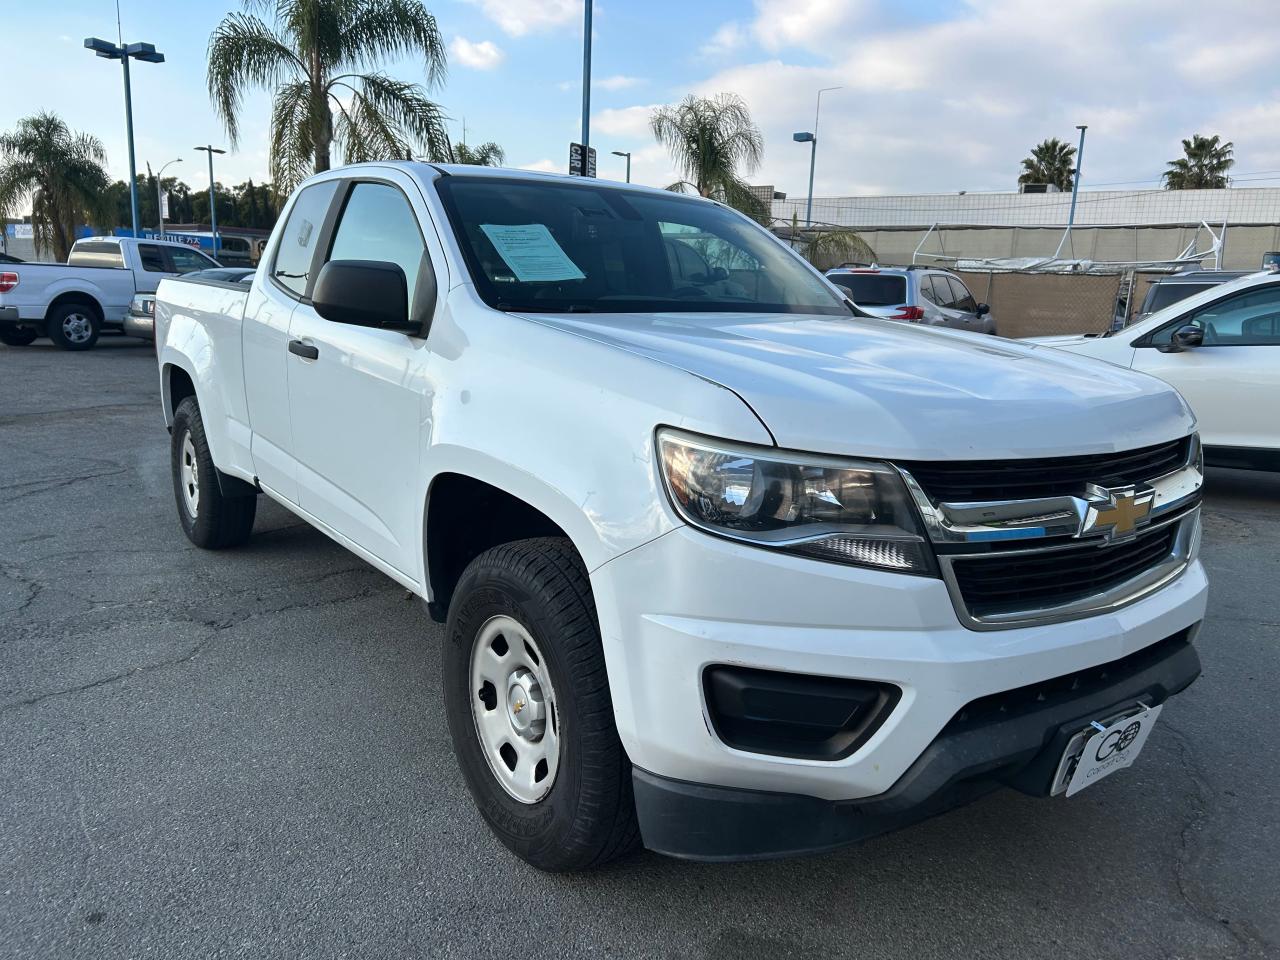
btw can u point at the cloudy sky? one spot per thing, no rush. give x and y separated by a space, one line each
938 95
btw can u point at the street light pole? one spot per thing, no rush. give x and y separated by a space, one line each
213 212
586 82
627 154
124 53
813 154
160 193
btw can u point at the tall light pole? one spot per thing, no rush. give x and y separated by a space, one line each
213 212
160 193
812 140
586 82
627 154
124 53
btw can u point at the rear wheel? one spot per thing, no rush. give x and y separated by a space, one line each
209 519
529 708
17 336
74 326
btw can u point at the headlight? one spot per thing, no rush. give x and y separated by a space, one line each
846 511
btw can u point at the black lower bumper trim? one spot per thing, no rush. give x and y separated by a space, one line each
1017 746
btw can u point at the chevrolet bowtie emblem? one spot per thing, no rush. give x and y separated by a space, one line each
1116 512
519 705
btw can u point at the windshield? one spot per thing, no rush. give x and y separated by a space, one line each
561 247
873 290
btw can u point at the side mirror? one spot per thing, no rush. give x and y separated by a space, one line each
1184 338
983 310
368 293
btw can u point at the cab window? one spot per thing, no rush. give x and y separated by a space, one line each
1249 319
152 258
377 223
188 261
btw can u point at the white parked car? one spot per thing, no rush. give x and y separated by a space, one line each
726 569
71 303
1221 349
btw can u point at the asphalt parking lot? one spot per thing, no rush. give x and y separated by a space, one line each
245 755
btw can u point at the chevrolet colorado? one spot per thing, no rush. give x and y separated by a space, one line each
726 569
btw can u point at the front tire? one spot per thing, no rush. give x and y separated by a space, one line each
73 326
209 519
17 336
529 710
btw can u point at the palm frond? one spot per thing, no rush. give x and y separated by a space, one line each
416 119
244 52
292 135
390 29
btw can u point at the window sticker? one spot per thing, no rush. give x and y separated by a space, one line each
531 252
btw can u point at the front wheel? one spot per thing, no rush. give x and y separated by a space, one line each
209 519
529 709
17 336
73 326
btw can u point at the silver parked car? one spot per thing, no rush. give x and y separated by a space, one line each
915 295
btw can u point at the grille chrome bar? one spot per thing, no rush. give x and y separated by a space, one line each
1067 552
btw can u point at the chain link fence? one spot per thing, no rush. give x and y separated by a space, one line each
1048 304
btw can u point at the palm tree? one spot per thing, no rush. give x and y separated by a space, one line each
714 143
486 155
310 57
61 172
1204 166
1051 161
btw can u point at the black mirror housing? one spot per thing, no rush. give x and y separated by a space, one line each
983 310
368 293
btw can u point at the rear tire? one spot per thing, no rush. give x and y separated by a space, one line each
73 326
527 607
209 519
17 336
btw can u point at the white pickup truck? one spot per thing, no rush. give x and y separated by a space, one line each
72 302
727 570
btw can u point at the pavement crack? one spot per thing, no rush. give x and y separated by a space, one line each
33 586
113 678
1201 800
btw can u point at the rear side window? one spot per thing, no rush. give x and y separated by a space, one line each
874 289
1162 295
152 258
936 289
188 261
95 253
299 236
960 295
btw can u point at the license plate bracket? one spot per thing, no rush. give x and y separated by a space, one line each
1104 747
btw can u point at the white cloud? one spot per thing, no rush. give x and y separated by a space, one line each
728 38
632 122
519 17
544 166
813 24
618 82
481 55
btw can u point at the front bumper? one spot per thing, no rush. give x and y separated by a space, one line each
1016 740
139 325
686 601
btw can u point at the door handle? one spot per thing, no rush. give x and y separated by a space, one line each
306 351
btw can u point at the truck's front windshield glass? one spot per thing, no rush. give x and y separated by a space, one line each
559 247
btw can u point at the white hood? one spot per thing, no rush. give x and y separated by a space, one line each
879 388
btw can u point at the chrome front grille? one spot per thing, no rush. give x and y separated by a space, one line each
1085 547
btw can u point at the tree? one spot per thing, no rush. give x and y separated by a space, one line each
1204 165
714 144
61 172
1051 161
486 155
310 58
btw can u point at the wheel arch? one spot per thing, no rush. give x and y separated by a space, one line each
75 296
465 514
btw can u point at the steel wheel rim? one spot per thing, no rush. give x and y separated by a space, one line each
77 328
513 709
189 475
